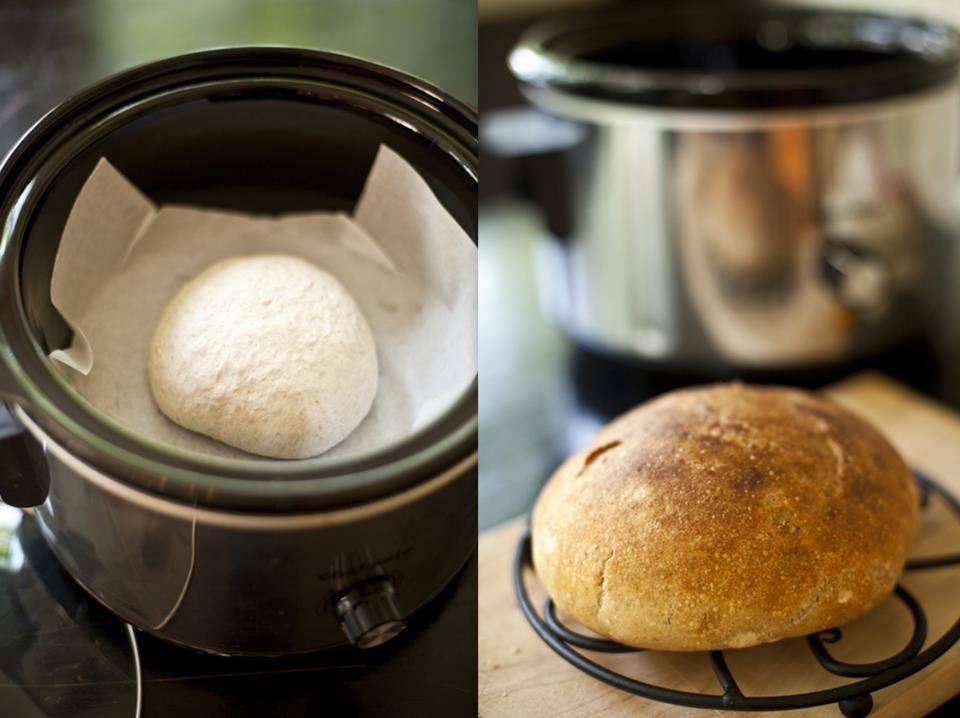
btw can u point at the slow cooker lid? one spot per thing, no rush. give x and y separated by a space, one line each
737 56
442 124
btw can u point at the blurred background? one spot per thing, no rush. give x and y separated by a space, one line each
682 192
51 49
560 356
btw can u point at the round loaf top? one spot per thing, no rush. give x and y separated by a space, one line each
724 517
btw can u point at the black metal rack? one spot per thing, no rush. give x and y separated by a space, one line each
854 699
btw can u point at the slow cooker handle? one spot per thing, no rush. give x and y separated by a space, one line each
24 473
535 147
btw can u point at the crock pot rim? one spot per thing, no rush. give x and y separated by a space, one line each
18 386
118 118
534 61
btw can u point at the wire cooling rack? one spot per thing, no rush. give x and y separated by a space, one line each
854 699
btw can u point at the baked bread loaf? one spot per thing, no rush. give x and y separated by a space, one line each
725 517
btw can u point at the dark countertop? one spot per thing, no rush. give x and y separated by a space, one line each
50 50
62 655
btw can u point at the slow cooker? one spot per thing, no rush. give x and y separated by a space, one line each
735 185
232 556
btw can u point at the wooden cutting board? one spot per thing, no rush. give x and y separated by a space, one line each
519 676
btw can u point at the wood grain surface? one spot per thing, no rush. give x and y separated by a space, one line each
520 676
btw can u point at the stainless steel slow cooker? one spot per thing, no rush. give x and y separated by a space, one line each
739 185
232 556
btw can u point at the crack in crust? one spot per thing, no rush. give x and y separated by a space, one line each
838 455
602 592
596 454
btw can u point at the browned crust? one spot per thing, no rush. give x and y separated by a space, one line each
724 517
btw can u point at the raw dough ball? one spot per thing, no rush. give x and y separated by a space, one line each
265 353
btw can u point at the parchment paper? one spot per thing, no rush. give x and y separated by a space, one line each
405 260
